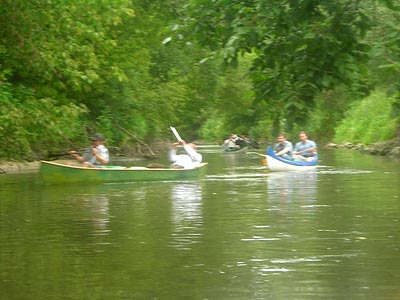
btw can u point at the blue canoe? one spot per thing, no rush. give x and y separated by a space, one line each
276 163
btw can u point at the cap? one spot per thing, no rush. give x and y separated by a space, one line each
97 137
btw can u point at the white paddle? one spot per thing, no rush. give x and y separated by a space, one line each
189 150
175 132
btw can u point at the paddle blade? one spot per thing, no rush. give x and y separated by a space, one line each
175 132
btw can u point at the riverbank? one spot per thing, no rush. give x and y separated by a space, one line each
389 148
15 167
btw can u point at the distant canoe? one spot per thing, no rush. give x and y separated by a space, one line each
52 172
276 163
236 150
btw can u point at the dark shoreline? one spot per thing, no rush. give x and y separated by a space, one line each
389 148
17 167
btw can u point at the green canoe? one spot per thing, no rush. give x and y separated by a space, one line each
52 172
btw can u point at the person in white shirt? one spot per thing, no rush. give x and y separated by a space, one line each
96 156
190 160
230 143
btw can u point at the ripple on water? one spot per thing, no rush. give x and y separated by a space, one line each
260 238
344 171
236 177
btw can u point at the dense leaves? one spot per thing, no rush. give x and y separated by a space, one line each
302 47
63 44
35 124
210 68
104 56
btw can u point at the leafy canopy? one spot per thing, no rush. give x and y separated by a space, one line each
302 46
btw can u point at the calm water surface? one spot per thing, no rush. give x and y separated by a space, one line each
239 233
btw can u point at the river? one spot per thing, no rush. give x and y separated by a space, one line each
238 233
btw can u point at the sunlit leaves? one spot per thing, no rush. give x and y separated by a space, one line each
370 120
64 42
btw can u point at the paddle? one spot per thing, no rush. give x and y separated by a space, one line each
190 151
253 143
264 156
175 132
53 155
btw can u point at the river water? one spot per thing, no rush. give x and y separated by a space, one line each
238 233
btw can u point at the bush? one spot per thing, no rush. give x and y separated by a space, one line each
370 120
213 130
29 125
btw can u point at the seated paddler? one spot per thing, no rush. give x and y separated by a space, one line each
191 159
305 149
96 156
283 148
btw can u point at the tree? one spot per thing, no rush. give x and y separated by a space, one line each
302 46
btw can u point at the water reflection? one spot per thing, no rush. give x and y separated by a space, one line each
93 219
85 212
187 219
97 207
287 186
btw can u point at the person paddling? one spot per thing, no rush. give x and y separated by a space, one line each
96 156
283 148
190 160
305 149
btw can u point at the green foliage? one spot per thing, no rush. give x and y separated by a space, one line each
105 125
369 120
63 43
213 130
70 68
11 125
234 109
27 126
328 112
384 39
263 130
302 47
100 55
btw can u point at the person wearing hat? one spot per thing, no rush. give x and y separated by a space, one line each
96 156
